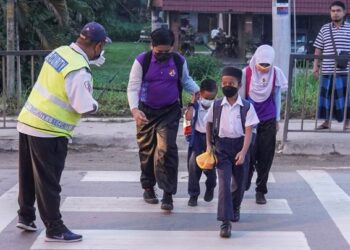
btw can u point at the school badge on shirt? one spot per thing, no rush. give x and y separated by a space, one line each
172 73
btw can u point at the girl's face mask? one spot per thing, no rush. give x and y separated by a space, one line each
263 67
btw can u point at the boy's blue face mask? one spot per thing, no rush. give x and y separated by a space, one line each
206 103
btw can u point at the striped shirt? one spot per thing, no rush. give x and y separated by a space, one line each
323 41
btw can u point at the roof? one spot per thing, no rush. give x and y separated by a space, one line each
316 7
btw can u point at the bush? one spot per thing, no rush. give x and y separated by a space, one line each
304 96
202 66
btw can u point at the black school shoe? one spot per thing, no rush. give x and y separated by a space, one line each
150 196
26 226
66 236
192 202
209 195
225 229
236 214
167 202
260 198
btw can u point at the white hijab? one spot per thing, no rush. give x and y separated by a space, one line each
261 83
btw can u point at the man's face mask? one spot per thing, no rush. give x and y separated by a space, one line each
162 56
263 67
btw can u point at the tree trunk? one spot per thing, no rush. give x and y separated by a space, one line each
10 24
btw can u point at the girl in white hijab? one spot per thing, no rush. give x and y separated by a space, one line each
262 84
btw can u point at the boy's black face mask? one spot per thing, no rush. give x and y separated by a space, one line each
229 91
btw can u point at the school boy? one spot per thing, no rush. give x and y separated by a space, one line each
195 112
229 128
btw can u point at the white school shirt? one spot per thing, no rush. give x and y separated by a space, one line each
201 124
230 120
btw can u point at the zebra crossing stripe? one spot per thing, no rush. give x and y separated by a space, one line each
8 207
175 240
138 205
333 198
134 176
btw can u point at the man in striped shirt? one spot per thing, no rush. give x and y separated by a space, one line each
340 30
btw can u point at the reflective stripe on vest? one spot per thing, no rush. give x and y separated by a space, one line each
45 93
49 119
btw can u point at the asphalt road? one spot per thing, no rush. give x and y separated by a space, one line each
308 207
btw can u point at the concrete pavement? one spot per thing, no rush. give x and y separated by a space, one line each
120 132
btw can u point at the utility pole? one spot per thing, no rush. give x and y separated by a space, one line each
157 14
281 33
10 45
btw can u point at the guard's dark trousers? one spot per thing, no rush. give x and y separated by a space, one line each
232 178
194 172
158 149
41 162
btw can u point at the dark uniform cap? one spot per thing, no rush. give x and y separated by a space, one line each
95 32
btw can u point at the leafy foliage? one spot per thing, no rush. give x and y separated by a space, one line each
46 24
202 66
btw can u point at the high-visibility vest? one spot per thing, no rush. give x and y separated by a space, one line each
47 108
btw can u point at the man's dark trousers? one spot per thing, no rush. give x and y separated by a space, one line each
157 147
194 172
41 162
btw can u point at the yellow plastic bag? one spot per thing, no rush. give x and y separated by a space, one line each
207 160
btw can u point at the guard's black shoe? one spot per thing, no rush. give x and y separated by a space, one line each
192 202
209 195
167 202
26 226
225 229
260 198
150 196
66 236
236 214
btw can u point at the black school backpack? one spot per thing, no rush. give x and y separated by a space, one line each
179 66
217 115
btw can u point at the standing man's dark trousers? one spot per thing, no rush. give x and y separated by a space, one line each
41 162
324 102
199 146
263 152
232 178
158 149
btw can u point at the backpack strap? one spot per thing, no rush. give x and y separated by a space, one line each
217 108
244 110
145 63
193 122
179 67
248 77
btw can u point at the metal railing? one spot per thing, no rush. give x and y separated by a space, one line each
18 84
300 73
